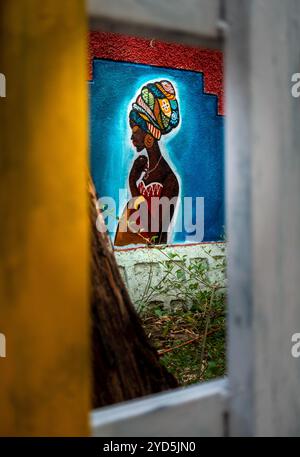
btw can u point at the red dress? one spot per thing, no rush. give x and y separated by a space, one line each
145 234
149 191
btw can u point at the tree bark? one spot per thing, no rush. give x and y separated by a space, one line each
125 365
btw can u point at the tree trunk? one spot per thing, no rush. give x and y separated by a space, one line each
125 365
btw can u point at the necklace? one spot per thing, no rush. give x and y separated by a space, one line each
147 173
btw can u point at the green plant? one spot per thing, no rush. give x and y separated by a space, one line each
199 288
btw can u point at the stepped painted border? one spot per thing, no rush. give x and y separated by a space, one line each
104 45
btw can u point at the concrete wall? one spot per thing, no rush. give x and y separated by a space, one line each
143 265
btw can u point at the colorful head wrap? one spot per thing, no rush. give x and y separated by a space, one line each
156 109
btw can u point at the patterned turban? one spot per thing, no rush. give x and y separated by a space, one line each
156 109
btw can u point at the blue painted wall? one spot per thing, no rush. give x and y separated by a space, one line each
195 149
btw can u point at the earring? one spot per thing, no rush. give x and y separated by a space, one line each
148 140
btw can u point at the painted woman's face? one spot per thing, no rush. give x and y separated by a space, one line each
137 138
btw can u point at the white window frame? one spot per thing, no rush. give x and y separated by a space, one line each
261 394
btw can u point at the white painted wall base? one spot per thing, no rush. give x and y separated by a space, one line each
137 265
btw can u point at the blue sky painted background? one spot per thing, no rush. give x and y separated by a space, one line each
195 149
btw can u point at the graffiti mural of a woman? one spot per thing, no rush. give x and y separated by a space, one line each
154 113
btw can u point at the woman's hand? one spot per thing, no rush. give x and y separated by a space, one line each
139 166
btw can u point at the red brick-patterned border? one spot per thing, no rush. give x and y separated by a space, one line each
103 45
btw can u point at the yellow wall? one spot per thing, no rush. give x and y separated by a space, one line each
44 381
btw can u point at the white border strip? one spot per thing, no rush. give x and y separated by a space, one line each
198 410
